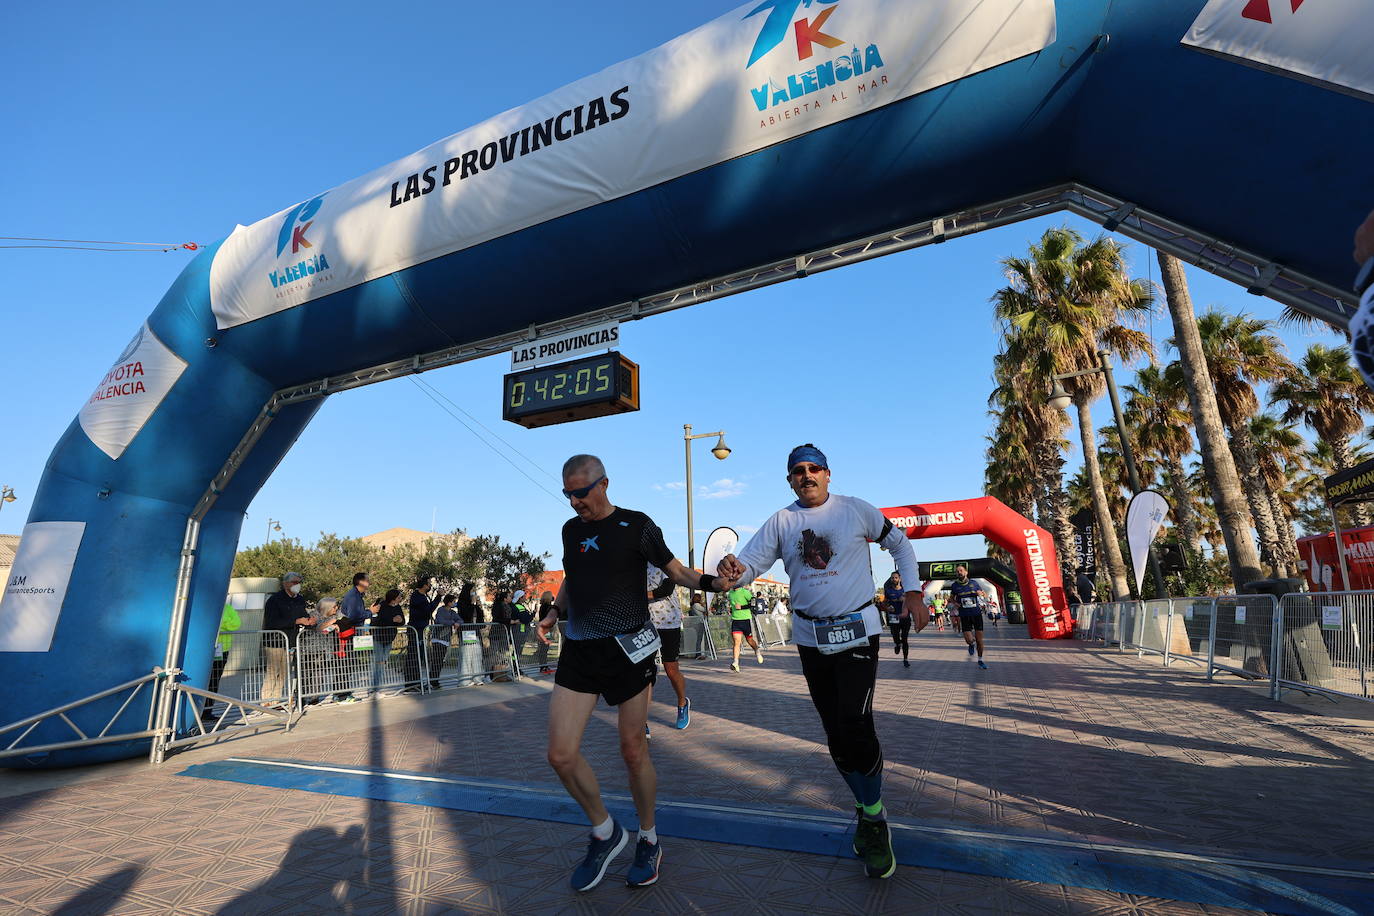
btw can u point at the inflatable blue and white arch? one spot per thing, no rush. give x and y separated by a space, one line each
1238 130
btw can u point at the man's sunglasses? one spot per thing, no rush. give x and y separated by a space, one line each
802 470
581 492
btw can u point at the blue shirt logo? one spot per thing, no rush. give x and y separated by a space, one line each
590 544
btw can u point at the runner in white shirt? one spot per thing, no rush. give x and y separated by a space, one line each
822 539
666 615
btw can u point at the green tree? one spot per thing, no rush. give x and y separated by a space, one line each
1157 412
1240 351
1015 394
1223 481
1064 302
1326 393
501 566
1279 453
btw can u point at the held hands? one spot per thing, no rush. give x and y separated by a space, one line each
914 606
728 572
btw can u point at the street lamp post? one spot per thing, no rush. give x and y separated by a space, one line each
1059 399
721 451
273 524
6 496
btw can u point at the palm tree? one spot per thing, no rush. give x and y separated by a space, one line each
1041 426
1010 471
1205 509
1328 395
1156 409
1217 462
1309 488
1066 301
1240 351
1279 451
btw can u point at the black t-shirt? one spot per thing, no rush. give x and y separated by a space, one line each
605 572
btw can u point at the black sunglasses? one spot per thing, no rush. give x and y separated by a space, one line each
581 492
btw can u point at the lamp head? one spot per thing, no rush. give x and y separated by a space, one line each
720 449
1059 398
7 494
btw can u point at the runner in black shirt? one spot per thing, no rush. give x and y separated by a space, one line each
608 652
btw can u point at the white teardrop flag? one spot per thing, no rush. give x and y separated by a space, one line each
1144 516
722 541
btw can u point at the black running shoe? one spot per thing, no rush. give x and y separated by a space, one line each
873 844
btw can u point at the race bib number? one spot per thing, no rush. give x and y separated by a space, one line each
968 601
639 645
841 633
894 619
362 642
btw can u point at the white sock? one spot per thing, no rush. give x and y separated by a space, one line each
603 830
651 835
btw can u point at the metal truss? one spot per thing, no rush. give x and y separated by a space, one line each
132 688
166 687
1257 274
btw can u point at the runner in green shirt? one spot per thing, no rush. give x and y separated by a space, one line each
742 624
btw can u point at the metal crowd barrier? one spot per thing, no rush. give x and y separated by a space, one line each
696 639
718 631
1325 643
771 631
533 657
1242 637
374 660
258 668
1315 642
478 653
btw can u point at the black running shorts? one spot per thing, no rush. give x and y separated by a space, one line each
601 667
969 624
672 644
745 626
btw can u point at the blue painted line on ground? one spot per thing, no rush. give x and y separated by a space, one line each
1217 880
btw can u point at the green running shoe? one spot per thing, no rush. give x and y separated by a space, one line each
873 844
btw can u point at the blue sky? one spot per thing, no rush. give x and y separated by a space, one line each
161 122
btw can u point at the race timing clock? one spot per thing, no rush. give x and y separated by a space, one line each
593 386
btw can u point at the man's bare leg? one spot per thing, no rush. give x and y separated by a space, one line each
634 748
568 715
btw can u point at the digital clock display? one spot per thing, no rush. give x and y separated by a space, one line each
592 386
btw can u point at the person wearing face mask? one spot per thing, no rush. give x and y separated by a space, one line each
284 612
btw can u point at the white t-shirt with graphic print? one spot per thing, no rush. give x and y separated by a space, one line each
825 553
665 612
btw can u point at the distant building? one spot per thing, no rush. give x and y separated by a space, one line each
9 546
392 538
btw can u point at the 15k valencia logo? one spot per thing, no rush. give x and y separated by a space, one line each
828 81
307 264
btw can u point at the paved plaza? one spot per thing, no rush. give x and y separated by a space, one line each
1056 743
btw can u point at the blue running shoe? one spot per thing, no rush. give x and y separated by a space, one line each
970 648
684 714
599 855
644 871
982 665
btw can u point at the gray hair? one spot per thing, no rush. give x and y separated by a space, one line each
327 604
591 464
292 577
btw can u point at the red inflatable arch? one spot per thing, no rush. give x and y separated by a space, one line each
1037 565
